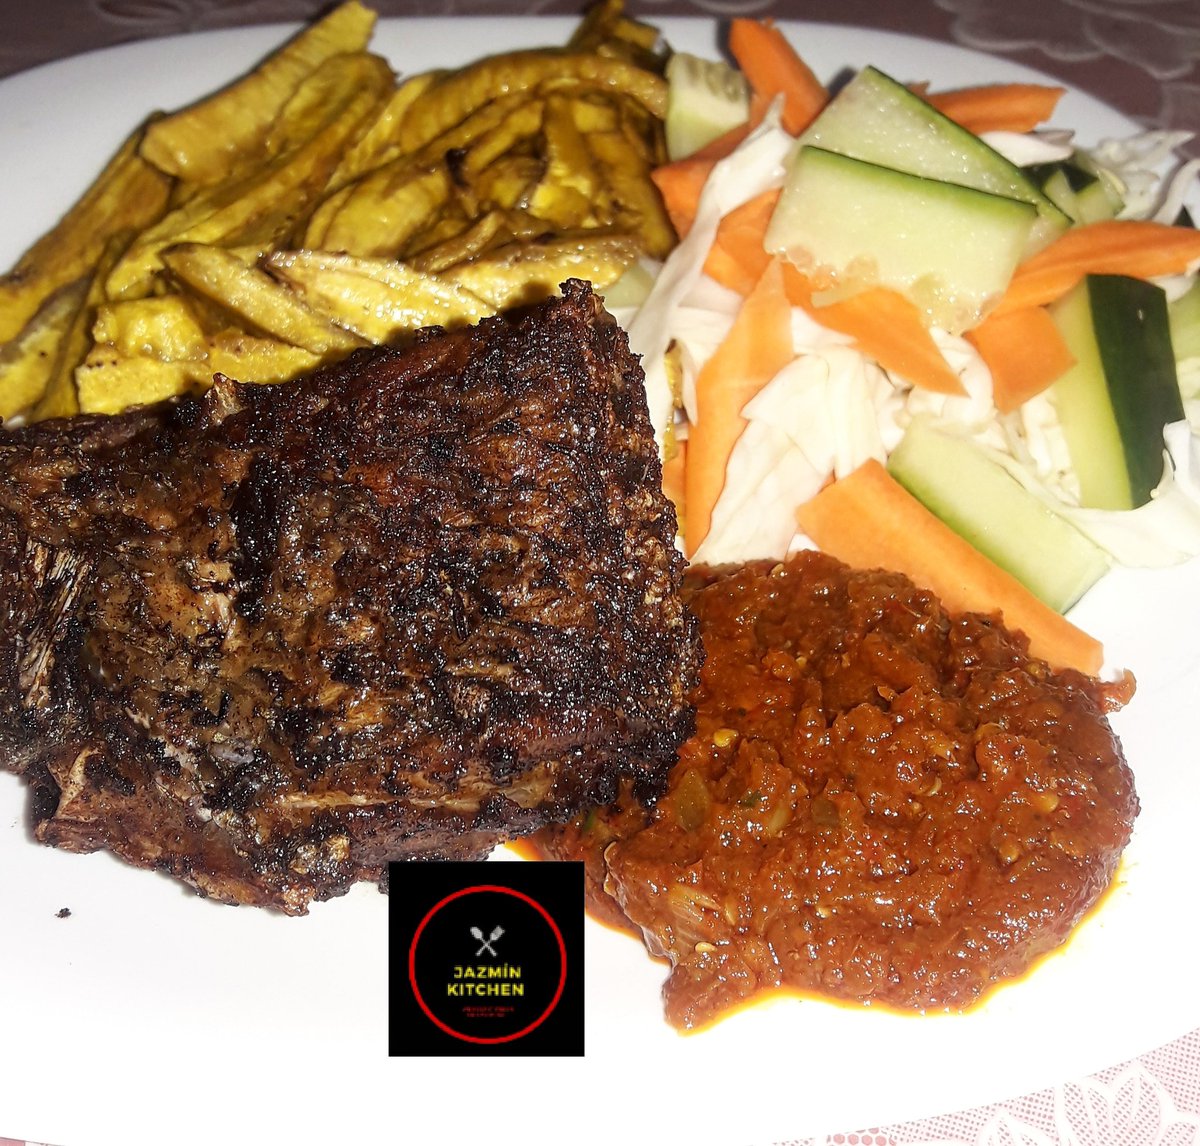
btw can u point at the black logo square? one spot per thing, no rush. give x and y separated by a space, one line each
485 959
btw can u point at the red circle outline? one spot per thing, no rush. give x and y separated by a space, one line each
412 964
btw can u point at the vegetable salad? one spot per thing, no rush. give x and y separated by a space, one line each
773 371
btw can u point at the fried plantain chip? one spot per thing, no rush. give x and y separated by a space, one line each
637 202
607 31
326 96
27 361
165 327
137 353
524 272
593 111
258 299
216 137
378 214
507 184
570 192
377 298
377 144
521 124
561 208
458 94
151 349
127 194
109 382
494 229
61 397
266 204
249 359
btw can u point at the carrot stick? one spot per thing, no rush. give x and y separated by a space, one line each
1025 353
998 107
757 347
772 67
673 472
1113 247
680 184
885 325
738 258
869 520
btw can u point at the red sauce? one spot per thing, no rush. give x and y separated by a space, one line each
882 802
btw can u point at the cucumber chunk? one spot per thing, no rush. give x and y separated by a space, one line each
1057 188
1100 193
1087 196
632 288
985 505
1184 316
879 120
1121 392
949 248
705 99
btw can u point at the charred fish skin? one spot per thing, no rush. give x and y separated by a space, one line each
412 605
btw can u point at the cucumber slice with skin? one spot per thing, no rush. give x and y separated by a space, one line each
949 248
985 505
1114 402
705 99
879 120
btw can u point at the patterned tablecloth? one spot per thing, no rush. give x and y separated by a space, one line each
1141 56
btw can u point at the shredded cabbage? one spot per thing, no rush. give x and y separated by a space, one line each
1027 148
1145 166
815 418
758 164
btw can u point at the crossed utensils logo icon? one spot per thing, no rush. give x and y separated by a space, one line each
486 944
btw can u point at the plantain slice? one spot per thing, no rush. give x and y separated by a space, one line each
494 229
153 348
27 361
61 397
377 144
521 126
507 185
606 30
637 203
376 298
570 192
258 299
165 326
137 353
249 358
216 137
108 382
524 272
128 194
378 214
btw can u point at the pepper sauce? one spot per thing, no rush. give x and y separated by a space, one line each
882 802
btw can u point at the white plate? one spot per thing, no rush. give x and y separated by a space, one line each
152 1016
